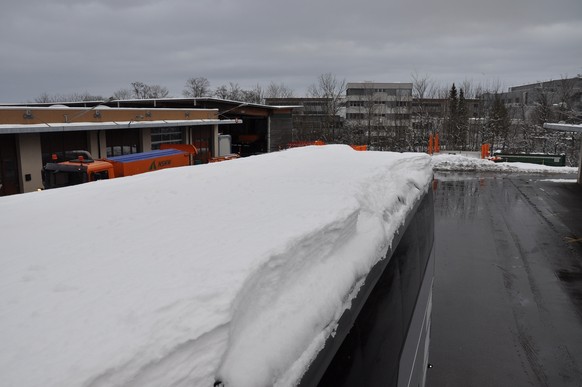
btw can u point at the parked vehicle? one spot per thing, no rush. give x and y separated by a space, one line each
84 169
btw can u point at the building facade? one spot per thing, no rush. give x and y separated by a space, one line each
379 114
32 135
562 100
431 115
530 106
311 120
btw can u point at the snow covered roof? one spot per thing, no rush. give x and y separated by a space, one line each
461 163
76 126
168 278
194 102
563 127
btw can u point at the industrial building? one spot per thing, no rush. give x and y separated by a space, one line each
30 134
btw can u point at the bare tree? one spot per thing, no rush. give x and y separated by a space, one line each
233 92
498 124
74 97
141 90
254 95
122 94
365 108
422 86
332 91
278 90
423 114
157 91
221 92
567 109
43 98
197 87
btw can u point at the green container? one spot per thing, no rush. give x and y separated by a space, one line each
551 160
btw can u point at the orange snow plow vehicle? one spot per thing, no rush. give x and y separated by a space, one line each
84 169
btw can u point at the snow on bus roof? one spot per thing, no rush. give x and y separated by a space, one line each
236 270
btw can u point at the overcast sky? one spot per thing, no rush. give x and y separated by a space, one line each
101 46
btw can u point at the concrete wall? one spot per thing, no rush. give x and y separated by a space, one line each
146 140
39 115
29 161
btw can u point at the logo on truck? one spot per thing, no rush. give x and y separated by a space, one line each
161 164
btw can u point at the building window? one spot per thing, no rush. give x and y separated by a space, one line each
121 142
404 92
202 140
355 92
165 136
59 143
9 181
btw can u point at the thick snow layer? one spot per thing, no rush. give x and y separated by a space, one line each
235 271
445 162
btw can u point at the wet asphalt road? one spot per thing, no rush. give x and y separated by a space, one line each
507 301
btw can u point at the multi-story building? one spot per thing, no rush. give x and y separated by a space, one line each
312 118
379 114
561 97
531 106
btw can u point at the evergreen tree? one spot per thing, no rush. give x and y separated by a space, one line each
452 119
462 120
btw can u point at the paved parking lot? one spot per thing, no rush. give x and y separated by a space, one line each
507 306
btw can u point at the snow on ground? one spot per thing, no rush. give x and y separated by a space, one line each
572 181
447 162
236 270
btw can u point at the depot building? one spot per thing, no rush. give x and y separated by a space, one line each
31 134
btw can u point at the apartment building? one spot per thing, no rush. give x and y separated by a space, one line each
379 113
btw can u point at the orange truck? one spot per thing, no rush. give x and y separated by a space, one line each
82 169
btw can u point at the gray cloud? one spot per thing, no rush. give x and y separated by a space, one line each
67 46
